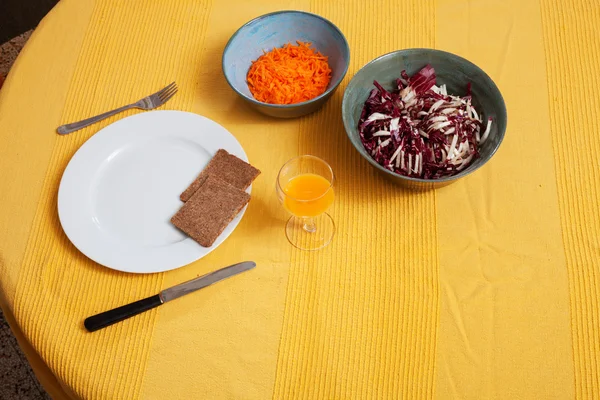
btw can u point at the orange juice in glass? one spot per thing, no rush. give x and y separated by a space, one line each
308 195
305 188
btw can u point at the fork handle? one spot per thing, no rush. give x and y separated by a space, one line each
75 126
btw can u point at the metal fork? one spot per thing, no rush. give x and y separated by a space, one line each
147 103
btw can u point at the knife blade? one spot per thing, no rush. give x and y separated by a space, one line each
118 314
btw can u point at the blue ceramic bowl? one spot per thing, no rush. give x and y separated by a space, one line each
275 30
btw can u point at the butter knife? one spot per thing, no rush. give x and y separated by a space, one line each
113 316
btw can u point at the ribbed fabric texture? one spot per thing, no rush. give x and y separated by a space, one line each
58 286
572 47
361 316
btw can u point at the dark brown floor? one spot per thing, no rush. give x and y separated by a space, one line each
18 16
17 380
10 50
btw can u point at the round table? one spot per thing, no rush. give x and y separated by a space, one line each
486 289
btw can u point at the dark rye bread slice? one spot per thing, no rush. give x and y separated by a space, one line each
227 167
206 214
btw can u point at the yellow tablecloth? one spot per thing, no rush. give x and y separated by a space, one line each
486 289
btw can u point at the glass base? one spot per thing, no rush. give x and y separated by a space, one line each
307 237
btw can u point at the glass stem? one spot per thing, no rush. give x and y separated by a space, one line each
309 225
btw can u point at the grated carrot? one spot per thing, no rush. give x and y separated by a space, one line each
289 75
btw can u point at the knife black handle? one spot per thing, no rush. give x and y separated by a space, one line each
118 314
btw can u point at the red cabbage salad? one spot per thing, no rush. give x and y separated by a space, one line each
419 130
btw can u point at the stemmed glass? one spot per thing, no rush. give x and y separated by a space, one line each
305 188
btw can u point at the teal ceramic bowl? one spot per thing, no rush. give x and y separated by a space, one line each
275 30
452 70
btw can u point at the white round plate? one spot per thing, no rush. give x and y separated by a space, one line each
121 188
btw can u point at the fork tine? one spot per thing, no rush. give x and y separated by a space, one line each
169 86
168 93
163 100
